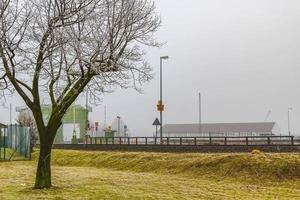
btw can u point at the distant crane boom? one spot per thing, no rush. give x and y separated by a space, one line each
267 116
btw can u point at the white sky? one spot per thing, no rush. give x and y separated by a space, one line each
243 56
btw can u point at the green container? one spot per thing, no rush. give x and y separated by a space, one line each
110 134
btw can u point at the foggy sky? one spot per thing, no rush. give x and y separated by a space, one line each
243 56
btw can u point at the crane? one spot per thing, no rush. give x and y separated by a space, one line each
268 115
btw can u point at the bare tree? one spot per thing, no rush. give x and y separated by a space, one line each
25 119
59 48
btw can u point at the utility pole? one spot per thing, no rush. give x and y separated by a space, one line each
119 124
200 127
74 137
87 110
125 130
104 116
289 127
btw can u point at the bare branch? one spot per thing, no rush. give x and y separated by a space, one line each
60 48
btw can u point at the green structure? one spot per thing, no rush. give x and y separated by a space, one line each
75 122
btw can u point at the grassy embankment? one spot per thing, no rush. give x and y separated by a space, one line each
121 175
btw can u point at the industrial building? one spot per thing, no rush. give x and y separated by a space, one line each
118 128
75 121
221 129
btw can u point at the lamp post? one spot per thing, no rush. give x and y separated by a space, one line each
161 102
74 137
105 117
125 129
87 110
200 117
119 124
289 128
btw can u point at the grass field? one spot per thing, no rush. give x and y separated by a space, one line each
117 175
9 153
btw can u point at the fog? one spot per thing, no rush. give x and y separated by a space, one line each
243 56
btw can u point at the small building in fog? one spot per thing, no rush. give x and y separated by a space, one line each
221 129
74 122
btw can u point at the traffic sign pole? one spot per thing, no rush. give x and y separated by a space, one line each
156 123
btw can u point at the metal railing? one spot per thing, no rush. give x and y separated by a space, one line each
196 141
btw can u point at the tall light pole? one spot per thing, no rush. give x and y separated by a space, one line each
161 102
125 129
74 137
105 117
119 124
200 128
289 128
87 111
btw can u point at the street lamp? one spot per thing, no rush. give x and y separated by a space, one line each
87 110
119 124
161 102
74 137
200 117
125 129
289 128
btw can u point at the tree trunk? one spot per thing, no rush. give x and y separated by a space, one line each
43 173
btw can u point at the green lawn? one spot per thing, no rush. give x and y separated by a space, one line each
9 153
117 175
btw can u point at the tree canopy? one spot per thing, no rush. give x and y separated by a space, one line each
59 48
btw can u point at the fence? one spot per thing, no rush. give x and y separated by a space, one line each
15 142
196 141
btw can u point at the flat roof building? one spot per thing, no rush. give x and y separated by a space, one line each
221 129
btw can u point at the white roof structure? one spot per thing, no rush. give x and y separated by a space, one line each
259 127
